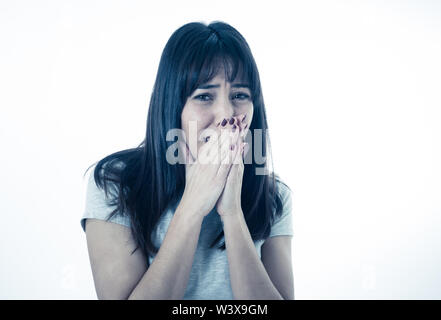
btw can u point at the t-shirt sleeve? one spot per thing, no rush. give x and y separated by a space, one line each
282 225
97 204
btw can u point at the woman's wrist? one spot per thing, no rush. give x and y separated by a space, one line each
189 212
233 216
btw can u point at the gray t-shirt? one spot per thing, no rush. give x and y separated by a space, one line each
209 276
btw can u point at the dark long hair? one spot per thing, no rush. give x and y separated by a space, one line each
145 182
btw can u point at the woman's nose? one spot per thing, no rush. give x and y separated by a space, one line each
225 110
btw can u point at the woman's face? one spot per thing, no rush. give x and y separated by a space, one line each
211 103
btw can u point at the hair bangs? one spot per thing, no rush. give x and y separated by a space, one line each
214 58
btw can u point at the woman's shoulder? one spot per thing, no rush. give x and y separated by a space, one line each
100 202
282 224
282 188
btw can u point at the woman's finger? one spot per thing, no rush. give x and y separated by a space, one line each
207 149
185 153
225 162
228 148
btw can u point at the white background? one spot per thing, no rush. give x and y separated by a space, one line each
352 91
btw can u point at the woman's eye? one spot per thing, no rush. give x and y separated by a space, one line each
241 96
203 97
208 97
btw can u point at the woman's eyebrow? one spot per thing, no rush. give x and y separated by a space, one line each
240 85
235 85
209 86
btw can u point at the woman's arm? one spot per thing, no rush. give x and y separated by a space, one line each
276 257
248 276
118 274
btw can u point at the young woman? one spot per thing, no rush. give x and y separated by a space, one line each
214 229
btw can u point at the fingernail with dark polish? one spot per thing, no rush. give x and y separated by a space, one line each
246 126
231 120
224 122
244 117
234 127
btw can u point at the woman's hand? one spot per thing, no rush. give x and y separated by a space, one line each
207 174
229 202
